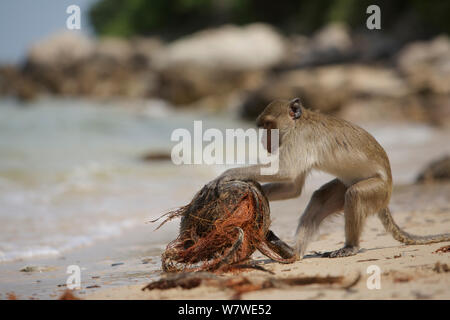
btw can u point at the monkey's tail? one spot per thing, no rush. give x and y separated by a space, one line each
405 237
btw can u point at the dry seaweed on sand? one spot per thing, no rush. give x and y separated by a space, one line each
242 284
443 249
180 280
223 225
11 296
68 295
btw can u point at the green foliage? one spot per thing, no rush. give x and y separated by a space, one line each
126 18
172 18
435 13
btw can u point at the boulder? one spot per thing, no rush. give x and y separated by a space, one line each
14 83
384 109
252 47
61 50
145 51
71 64
333 37
437 170
426 65
331 44
438 110
216 62
116 50
187 83
326 88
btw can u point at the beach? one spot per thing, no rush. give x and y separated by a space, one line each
407 272
112 116
95 199
120 268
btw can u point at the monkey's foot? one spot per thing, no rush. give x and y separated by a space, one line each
343 252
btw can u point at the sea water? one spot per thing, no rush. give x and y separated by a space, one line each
71 172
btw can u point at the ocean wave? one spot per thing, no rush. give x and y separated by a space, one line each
58 244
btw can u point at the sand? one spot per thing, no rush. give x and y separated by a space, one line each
406 272
120 267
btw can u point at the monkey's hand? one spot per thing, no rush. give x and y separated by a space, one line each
236 174
231 174
224 177
254 173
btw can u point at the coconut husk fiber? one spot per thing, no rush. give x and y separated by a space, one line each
223 225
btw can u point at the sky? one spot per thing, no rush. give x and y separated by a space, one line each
24 22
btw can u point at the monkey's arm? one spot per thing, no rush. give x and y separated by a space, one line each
284 190
254 173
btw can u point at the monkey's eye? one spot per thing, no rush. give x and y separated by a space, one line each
295 110
265 123
269 125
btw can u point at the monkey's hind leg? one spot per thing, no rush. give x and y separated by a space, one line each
361 200
327 200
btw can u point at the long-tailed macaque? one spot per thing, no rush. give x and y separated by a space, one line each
310 140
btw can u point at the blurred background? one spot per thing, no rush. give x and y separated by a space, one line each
86 115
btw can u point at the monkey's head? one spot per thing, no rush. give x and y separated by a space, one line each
282 115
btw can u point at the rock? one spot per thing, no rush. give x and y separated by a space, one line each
70 64
61 50
426 65
156 156
53 63
366 80
113 70
318 90
333 37
13 82
145 51
216 62
93 286
38 269
438 170
382 109
188 84
117 264
331 44
44 70
326 88
438 110
373 46
255 46
29 269
116 49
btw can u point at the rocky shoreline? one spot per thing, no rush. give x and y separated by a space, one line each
243 68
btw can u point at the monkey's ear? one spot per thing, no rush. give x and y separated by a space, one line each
295 108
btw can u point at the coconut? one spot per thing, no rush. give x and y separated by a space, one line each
223 225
